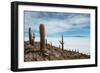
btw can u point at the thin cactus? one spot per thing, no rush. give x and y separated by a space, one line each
42 37
30 37
33 38
51 45
62 43
46 43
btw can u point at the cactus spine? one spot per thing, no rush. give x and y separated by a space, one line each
62 43
42 37
30 37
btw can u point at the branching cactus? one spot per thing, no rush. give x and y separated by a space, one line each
62 43
30 37
42 37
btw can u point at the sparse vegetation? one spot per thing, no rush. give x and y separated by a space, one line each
62 43
44 51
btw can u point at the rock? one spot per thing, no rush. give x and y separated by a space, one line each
28 46
46 52
39 58
28 57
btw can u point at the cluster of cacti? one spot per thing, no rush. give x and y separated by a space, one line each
74 50
31 37
43 41
42 37
45 50
62 43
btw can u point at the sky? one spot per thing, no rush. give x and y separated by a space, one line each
58 23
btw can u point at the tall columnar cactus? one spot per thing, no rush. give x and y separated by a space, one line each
46 43
30 37
42 37
62 43
33 38
51 45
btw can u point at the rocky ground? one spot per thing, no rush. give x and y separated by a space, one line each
33 53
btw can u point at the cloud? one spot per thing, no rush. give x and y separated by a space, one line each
68 24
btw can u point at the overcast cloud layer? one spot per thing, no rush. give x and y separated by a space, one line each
56 24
